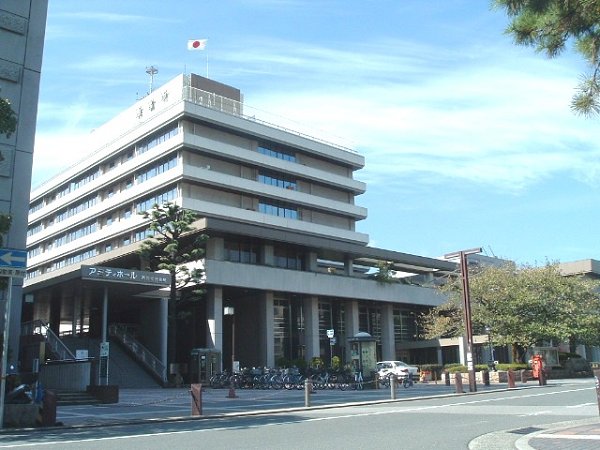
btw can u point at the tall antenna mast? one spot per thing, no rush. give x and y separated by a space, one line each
151 71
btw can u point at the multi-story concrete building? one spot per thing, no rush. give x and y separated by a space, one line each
279 208
22 29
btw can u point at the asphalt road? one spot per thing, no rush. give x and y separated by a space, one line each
494 419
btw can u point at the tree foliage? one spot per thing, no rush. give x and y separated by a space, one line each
523 306
172 247
8 118
385 273
548 25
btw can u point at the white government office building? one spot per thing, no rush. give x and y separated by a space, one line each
279 209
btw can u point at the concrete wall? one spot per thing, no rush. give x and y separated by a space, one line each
22 29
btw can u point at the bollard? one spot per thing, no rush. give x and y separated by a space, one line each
307 391
523 376
196 391
447 378
511 378
49 409
376 378
458 383
542 377
393 387
597 377
485 375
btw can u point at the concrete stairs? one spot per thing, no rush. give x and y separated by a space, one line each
123 370
64 398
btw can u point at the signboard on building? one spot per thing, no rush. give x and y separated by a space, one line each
117 275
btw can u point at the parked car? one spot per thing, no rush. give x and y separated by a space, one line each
398 368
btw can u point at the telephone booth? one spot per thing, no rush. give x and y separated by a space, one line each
363 354
204 363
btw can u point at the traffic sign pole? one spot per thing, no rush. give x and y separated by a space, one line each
3 371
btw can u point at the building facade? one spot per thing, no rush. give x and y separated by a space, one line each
22 29
279 209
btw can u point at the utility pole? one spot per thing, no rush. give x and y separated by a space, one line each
464 273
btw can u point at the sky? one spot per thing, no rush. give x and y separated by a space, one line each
469 141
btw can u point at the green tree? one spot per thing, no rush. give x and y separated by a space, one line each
548 25
524 306
385 273
172 245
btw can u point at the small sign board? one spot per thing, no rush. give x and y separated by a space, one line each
330 333
104 348
10 257
13 262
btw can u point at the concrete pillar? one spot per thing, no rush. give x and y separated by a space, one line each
266 328
388 344
163 327
311 262
311 327
214 315
351 319
349 267
440 358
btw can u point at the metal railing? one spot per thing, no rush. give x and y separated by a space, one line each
236 108
141 353
39 327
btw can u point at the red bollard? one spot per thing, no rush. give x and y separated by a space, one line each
511 378
458 383
196 391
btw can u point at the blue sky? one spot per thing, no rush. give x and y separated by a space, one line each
469 140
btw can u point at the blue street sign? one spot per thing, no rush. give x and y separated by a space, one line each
12 258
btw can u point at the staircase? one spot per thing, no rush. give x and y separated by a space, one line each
123 370
64 398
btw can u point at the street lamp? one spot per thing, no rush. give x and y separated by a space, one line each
491 363
230 311
464 272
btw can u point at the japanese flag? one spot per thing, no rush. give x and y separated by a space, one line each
197 44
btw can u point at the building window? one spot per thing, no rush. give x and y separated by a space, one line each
160 199
288 258
157 169
278 209
279 180
243 252
275 152
156 139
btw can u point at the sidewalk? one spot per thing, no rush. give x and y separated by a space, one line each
580 435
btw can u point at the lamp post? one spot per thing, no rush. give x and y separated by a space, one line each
491 363
464 272
230 311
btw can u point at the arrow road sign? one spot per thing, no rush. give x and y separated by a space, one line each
13 258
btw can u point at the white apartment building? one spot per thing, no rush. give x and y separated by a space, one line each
278 207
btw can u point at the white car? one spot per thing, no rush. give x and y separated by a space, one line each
398 368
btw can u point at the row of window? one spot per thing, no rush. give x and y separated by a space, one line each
76 209
278 209
162 166
140 148
278 180
277 153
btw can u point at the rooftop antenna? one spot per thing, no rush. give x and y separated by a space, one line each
151 71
